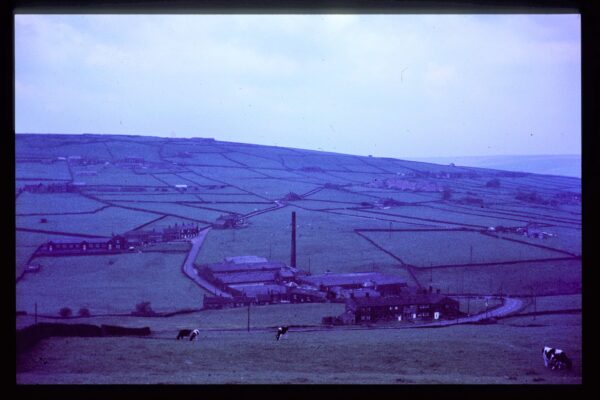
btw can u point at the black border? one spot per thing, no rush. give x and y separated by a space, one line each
590 99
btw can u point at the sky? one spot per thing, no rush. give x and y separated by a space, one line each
384 85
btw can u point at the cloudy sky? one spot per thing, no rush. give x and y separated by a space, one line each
386 85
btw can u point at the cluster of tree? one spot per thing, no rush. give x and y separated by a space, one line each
143 309
66 312
531 197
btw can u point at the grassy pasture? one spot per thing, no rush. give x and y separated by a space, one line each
61 147
29 170
234 197
453 218
440 248
103 223
26 244
124 148
254 161
552 303
235 208
206 158
175 209
274 188
29 203
112 175
149 196
229 175
90 281
404 196
269 236
282 174
339 195
555 277
389 356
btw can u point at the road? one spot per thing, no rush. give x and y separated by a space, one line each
192 273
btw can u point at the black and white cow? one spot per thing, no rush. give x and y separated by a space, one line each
555 358
188 332
282 330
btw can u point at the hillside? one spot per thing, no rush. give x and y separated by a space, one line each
428 223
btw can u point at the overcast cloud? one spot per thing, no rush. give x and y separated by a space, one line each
391 86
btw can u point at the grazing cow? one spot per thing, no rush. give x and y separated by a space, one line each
282 330
188 332
555 358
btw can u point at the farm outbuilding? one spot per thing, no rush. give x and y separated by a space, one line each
83 246
386 284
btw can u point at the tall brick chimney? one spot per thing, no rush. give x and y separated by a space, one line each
293 255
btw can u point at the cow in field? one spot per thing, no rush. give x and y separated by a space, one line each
188 332
282 330
555 358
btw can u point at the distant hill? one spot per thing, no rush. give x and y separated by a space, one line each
562 165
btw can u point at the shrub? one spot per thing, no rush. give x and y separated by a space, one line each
143 309
65 312
84 312
43 220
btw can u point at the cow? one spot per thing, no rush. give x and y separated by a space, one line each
188 332
555 358
282 330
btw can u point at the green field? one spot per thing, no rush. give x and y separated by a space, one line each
455 247
553 277
389 356
103 223
37 203
326 241
93 282
269 236
29 170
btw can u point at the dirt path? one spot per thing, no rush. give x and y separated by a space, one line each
192 273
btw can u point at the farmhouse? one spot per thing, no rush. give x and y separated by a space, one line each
170 233
183 231
227 221
406 307
142 237
115 244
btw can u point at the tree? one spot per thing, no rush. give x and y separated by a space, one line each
84 312
65 312
143 309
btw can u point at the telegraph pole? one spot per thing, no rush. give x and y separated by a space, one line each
248 327
35 313
471 256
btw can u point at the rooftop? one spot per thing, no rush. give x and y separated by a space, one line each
245 259
242 277
358 278
231 268
408 299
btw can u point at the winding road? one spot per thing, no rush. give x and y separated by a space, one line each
192 273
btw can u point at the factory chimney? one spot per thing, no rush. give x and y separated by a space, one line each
293 255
